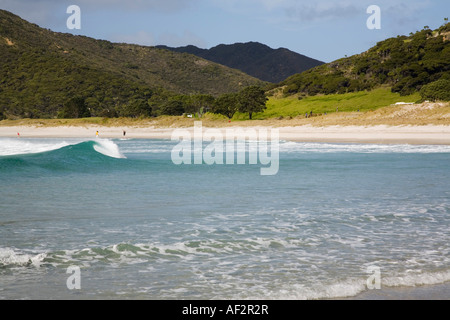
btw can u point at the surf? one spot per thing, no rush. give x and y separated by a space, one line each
20 147
127 254
108 148
35 157
10 257
13 147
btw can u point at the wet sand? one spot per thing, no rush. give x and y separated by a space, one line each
429 292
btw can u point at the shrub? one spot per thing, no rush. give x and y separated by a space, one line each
437 90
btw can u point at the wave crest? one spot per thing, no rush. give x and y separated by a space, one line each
22 147
108 148
13 147
9 257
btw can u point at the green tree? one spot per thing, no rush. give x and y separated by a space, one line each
227 105
135 108
174 107
199 103
251 100
75 108
438 90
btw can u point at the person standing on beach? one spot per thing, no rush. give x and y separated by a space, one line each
124 133
96 134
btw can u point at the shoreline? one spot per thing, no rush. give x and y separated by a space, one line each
439 291
380 134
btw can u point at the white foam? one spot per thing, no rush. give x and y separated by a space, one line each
337 290
10 147
417 279
313 287
298 147
184 250
344 288
139 148
108 148
9 257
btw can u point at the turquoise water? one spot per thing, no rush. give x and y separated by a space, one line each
140 227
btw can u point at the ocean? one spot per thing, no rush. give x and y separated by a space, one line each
117 219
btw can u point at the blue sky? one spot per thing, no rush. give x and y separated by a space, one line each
325 29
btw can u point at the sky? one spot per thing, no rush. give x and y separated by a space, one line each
325 29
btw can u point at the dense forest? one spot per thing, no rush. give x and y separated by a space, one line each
405 63
44 74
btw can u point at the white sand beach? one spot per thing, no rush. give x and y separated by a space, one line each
381 134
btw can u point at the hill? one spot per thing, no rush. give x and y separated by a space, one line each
255 59
41 70
408 64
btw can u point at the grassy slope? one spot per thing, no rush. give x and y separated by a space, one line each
363 100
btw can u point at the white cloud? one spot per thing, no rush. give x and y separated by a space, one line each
43 11
319 10
324 10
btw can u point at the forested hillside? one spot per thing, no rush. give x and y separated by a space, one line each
408 64
45 74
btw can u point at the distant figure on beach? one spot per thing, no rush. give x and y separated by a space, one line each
18 135
124 133
337 109
96 134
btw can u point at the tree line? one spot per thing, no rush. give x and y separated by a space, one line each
156 103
